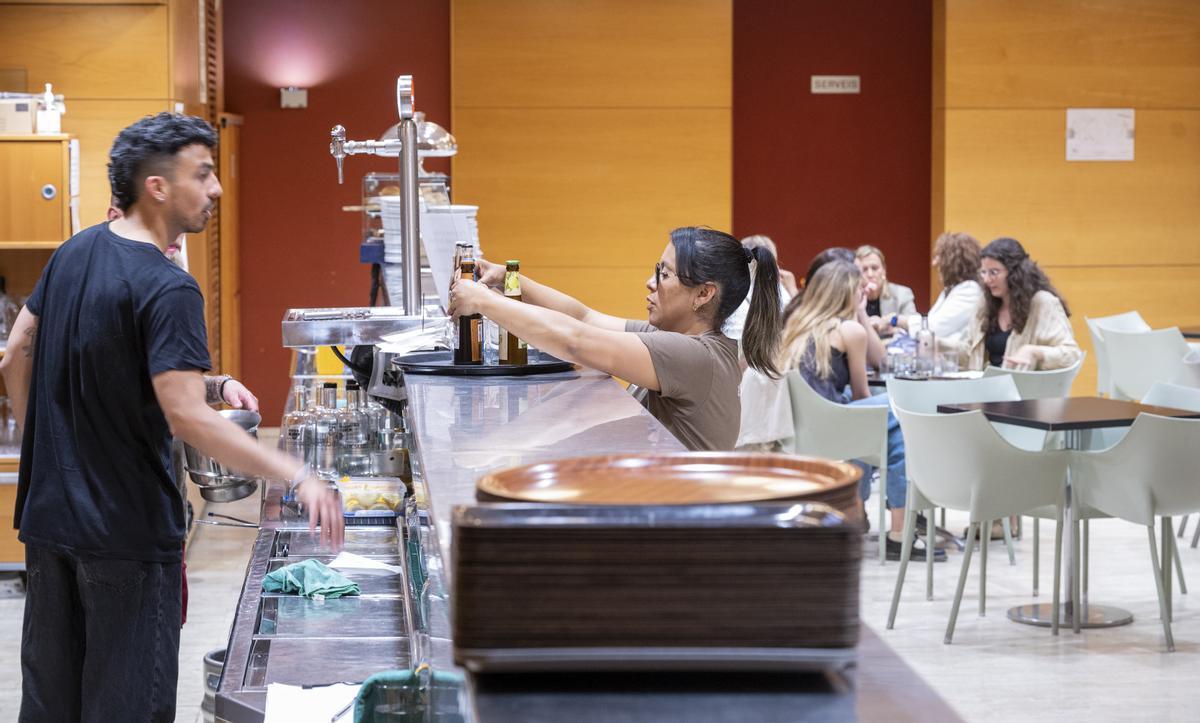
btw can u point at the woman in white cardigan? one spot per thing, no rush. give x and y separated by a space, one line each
956 257
1024 323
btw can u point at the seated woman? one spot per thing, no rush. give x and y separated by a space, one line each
956 257
1024 323
686 370
888 304
828 344
875 349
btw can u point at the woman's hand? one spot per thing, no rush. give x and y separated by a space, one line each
1027 356
491 274
467 298
882 326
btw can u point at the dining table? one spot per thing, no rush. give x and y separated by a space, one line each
1190 332
1073 417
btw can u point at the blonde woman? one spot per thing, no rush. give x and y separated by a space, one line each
888 304
825 341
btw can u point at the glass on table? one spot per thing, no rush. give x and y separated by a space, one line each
948 362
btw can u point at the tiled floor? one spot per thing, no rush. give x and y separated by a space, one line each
995 670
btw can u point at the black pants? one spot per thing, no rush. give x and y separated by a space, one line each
100 640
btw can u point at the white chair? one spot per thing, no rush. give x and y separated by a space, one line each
1129 321
959 461
1162 394
1148 474
1138 359
839 431
1050 384
924 397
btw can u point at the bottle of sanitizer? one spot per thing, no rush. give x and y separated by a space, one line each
49 117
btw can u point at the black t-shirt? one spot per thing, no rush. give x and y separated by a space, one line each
95 470
873 307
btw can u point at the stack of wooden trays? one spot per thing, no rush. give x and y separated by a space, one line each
694 561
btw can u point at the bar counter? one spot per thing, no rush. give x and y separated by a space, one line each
462 428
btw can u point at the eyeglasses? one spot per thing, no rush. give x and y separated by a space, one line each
990 273
660 272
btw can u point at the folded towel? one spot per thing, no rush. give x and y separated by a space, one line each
309 578
391 692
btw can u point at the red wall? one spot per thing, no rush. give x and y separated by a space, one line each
298 248
813 171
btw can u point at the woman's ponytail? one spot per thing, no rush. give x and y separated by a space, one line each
760 336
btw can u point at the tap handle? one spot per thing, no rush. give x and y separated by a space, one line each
337 148
404 96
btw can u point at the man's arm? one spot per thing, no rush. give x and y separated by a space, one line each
17 364
181 396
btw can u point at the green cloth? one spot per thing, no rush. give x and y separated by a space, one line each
309 578
377 704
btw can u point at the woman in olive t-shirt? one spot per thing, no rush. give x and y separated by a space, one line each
685 370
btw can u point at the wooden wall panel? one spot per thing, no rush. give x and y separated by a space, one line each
587 131
1077 53
529 54
80 49
1008 175
1113 236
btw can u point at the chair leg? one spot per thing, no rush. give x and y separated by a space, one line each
1182 526
930 549
1178 567
910 524
1056 595
985 536
1037 525
942 524
962 581
1167 539
1196 537
1158 581
883 515
1008 540
1083 558
1080 610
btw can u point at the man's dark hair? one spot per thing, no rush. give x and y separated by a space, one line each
148 148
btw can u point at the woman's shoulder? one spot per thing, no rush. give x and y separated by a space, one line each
851 331
1045 301
900 291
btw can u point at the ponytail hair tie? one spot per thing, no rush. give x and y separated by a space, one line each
749 254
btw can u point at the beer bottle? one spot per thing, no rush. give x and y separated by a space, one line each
513 349
470 328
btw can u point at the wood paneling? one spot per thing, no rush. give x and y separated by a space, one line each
26 166
110 51
588 131
590 202
11 549
96 124
231 293
1072 53
1113 236
529 54
1007 175
21 269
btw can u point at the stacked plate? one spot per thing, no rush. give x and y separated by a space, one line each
710 561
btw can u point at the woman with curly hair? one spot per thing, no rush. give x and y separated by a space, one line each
956 257
1024 323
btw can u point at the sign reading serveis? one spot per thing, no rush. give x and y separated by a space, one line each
836 84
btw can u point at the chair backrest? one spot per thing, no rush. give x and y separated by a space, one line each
826 429
959 461
1150 473
1129 321
925 396
1138 359
1050 384
1164 394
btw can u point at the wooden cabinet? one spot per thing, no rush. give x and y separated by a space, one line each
34 191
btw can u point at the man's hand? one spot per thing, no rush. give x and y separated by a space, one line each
324 509
236 395
467 297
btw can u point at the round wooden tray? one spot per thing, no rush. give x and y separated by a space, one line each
692 478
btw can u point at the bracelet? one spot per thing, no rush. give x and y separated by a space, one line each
214 388
221 389
895 318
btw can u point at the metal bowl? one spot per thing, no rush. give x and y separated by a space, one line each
217 482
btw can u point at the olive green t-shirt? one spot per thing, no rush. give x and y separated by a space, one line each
698 377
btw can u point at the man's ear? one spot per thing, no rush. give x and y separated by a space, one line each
155 189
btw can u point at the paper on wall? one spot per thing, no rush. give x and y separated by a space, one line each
1100 134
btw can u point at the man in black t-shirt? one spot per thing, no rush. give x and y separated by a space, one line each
104 363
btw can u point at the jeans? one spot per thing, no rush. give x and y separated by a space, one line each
100 640
897 478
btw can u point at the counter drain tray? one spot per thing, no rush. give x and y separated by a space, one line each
442 362
513 660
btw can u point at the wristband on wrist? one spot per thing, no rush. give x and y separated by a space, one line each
894 319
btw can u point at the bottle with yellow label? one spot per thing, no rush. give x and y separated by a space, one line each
513 349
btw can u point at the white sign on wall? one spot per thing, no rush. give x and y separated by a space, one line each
836 84
1100 134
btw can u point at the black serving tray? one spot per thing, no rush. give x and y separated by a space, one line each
442 362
